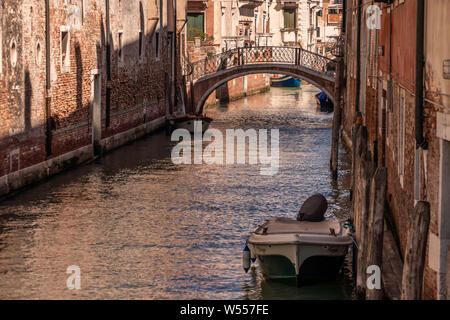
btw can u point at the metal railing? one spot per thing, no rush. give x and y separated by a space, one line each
260 55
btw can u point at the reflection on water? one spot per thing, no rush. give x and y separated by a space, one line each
141 227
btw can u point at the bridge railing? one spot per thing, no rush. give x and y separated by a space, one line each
261 55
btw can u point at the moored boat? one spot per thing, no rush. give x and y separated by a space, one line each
309 251
188 122
285 81
324 103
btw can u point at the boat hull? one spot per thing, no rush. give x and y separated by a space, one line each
306 263
307 251
286 81
324 104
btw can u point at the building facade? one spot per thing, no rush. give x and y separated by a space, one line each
218 26
324 26
81 77
234 23
405 105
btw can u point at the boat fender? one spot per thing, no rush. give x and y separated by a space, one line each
246 258
252 255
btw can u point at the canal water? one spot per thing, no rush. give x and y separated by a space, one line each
140 227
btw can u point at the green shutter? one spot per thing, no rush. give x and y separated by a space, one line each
195 25
289 18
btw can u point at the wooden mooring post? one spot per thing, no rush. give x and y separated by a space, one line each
415 252
365 172
364 169
359 146
334 161
355 129
447 280
376 230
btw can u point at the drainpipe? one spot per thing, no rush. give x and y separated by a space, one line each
108 48
48 119
358 59
344 16
420 35
108 66
175 52
174 60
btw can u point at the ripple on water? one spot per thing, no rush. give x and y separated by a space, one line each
141 227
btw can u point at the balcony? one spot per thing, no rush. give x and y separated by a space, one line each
250 4
232 42
289 36
264 39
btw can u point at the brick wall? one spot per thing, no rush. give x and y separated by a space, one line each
137 83
396 63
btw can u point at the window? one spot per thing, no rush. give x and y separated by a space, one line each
401 134
157 44
38 53
195 25
289 18
447 69
264 29
13 54
119 49
332 11
392 92
140 43
141 28
83 13
65 54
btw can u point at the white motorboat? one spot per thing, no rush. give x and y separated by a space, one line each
306 250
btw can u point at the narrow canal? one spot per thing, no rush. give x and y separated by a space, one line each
140 227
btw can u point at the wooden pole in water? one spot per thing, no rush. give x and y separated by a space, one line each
360 144
376 222
447 291
366 170
336 118
355 128
415 252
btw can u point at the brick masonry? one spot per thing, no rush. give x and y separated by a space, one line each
139 77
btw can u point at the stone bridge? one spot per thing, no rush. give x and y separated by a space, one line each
207 75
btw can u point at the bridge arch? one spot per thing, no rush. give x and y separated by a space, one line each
224 78
207 75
